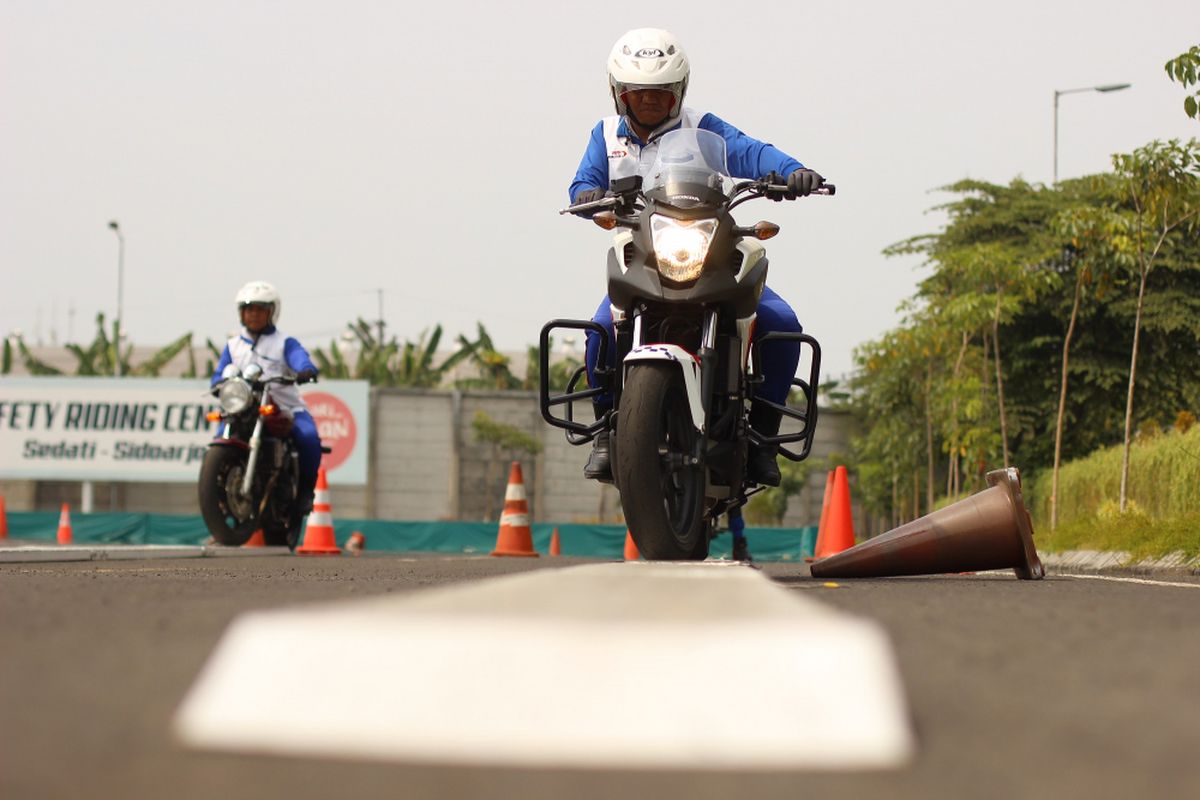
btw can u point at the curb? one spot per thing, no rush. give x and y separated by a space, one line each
1119 561
41 552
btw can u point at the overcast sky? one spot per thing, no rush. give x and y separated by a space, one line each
342 148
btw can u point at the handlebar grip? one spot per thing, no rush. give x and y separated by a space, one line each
826 189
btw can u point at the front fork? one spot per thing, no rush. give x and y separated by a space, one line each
255 444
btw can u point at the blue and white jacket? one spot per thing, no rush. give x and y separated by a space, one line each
276 354
614 151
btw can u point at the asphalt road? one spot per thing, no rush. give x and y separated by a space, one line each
1067 687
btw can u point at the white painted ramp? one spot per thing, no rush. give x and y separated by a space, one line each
676 666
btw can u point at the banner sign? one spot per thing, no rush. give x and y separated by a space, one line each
151 430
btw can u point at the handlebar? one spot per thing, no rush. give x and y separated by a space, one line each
765 188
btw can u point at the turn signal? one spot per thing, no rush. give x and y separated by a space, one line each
269 410
213 416
765 230
605 219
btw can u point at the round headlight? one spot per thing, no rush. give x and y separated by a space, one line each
234 396
680 246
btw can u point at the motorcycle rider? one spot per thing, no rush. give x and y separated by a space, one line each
648 75
260 342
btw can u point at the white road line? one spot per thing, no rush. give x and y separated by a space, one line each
1176 584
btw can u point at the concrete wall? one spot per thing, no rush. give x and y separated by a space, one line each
426 464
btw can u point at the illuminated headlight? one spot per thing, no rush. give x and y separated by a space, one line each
234 396
681 245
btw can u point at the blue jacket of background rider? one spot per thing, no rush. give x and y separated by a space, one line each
277 354
614 151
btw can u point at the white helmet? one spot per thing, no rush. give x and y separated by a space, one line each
648 58
260 292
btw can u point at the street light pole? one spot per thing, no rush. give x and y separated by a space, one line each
120 294
1110 87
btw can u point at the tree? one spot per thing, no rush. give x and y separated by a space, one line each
892 389
770 507
1185 69
986 269
1099 246
493 366
560 371
500 438
98 357
388 363
1163 184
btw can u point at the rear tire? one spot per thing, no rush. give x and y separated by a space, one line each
225 514
662 492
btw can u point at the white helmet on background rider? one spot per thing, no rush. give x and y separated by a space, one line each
256 292
648 58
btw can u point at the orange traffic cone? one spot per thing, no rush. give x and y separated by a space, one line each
256 539
64 525
837 529
318 536
515 537
631 551
356 543
823 525
3 519
988 530
555 544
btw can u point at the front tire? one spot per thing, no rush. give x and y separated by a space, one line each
228 516
662 489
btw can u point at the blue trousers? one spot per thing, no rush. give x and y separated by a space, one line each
308 447
780 359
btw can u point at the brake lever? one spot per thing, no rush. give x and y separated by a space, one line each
603 202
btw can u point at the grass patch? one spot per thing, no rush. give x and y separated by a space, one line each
1133 532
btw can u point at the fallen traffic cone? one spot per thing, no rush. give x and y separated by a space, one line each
837 527
64 525
823 524
356 543
3 519
631 551
515 537
318 536
256 539
988 530
555 545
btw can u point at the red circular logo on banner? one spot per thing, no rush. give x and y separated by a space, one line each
335 424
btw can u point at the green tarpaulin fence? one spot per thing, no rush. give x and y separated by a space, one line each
598 541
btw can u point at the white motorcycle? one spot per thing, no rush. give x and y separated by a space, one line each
685 281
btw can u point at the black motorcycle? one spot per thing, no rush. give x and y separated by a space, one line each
685 281
251 471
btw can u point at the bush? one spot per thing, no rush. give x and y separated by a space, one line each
1164 480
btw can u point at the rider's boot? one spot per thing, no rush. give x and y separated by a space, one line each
761 466
599 463
737 529
741 549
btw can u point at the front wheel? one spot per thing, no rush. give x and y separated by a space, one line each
228 514
657 472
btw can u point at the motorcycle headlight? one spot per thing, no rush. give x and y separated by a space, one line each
681 245
234 396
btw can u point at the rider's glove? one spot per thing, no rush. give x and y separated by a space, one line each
804 181
589 196
306 376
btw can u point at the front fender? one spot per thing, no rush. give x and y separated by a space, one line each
689 367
